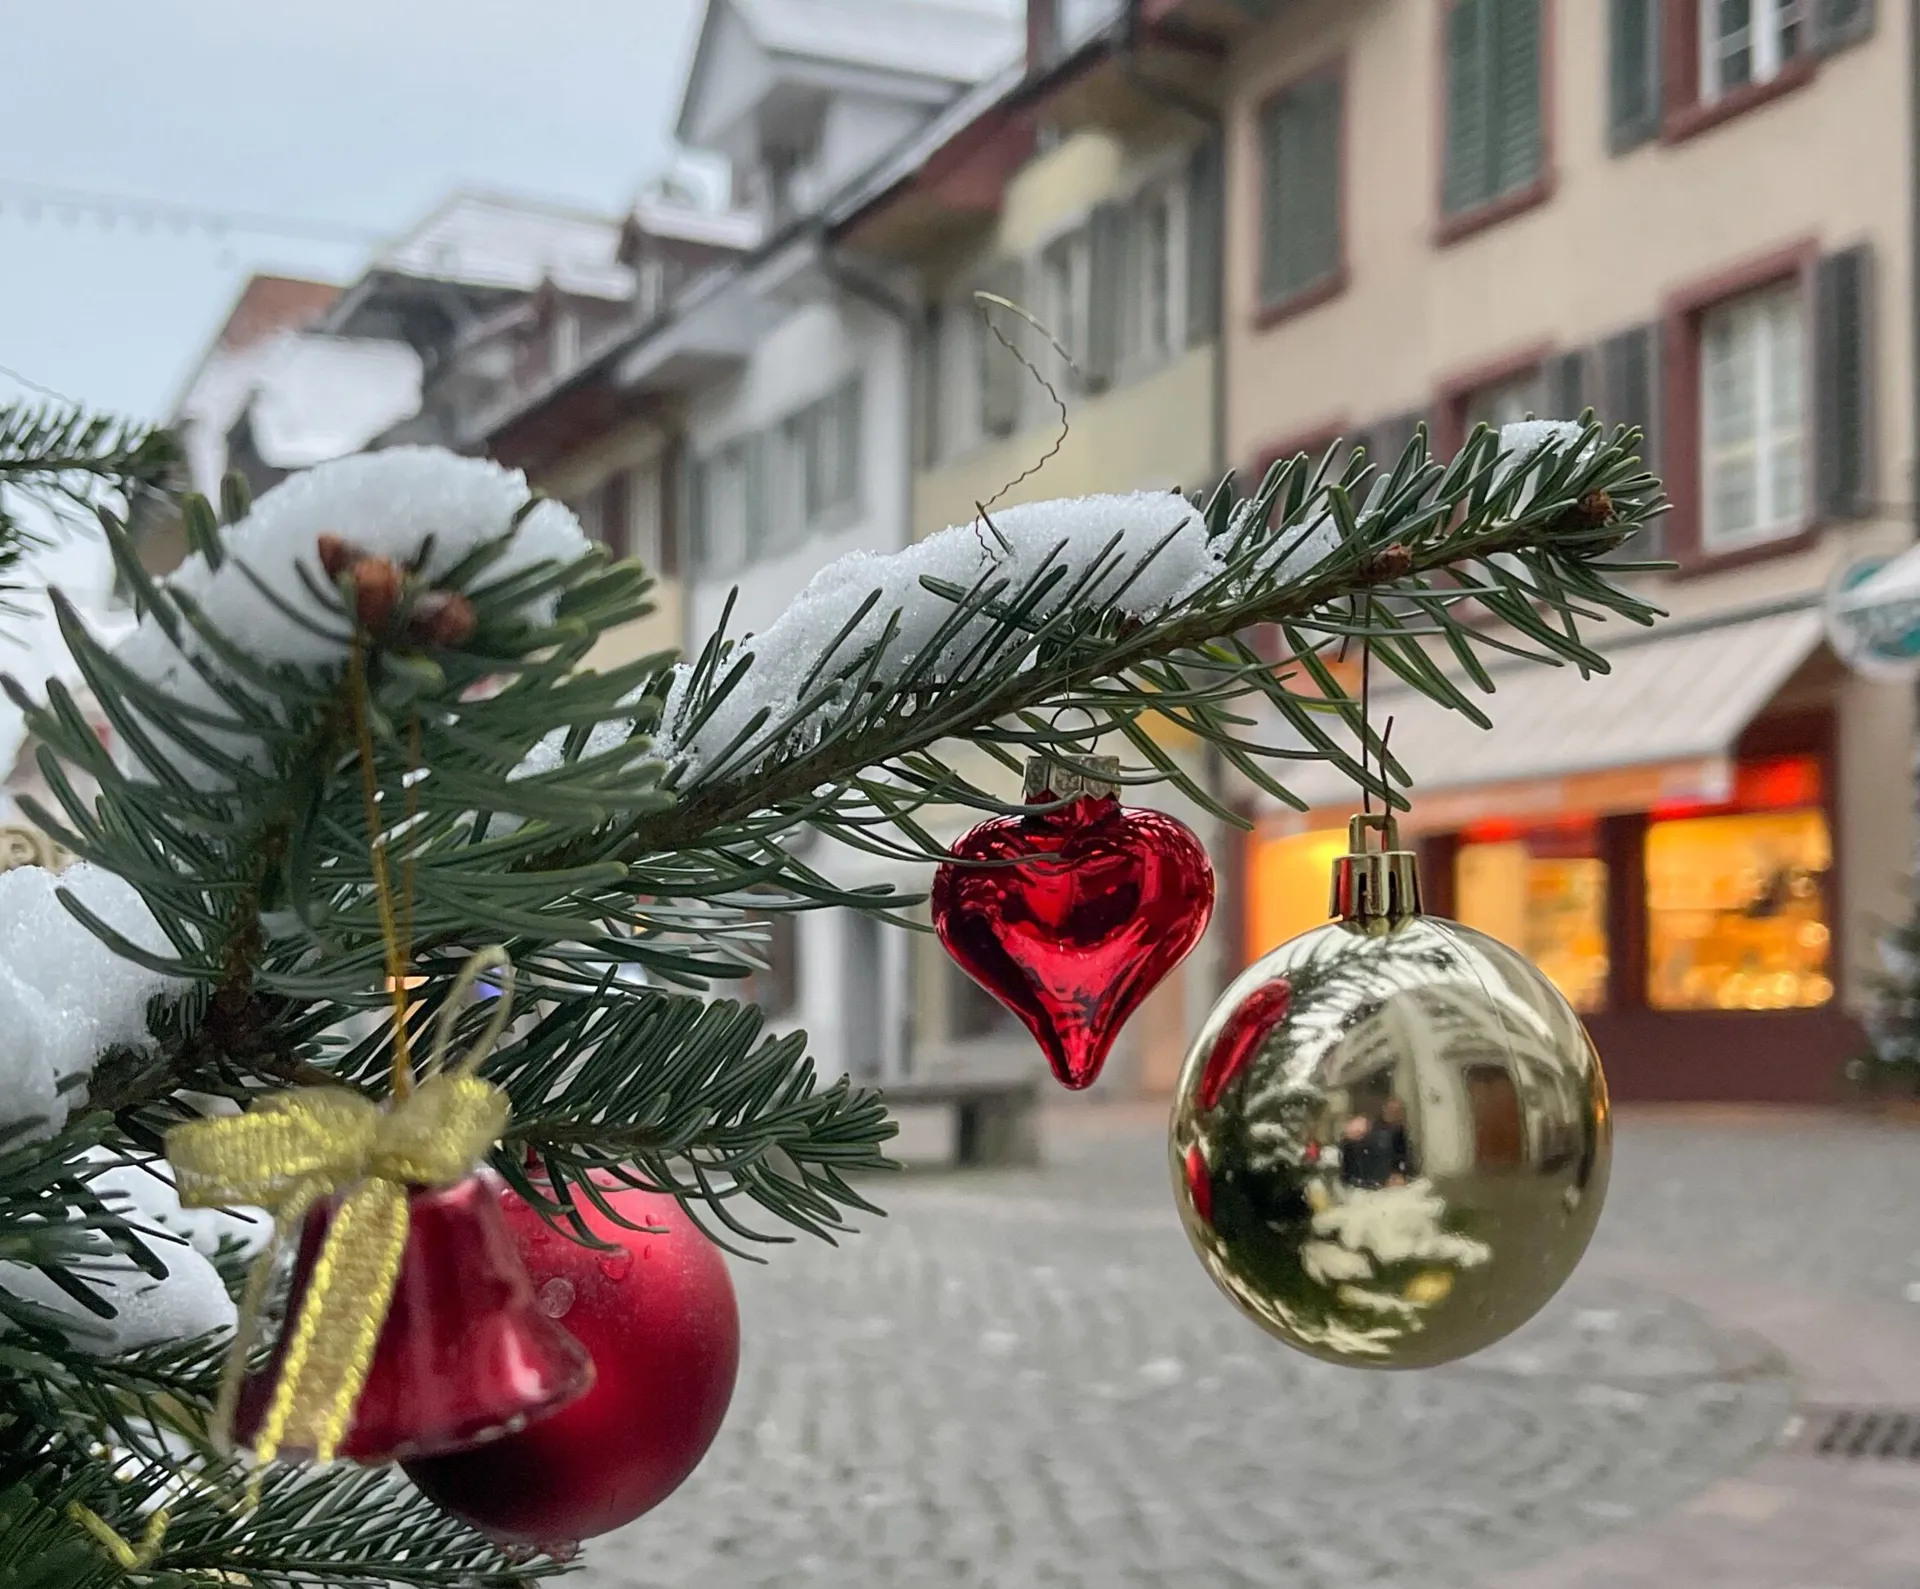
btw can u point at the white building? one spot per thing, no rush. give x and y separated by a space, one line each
793 371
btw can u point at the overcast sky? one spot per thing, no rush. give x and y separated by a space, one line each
361 112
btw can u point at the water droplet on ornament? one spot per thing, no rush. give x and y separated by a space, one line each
616 1265
556 1296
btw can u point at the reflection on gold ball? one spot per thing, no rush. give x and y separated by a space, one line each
1390 1146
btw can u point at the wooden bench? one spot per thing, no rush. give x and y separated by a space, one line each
996 1118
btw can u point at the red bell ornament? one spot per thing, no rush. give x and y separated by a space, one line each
1071 916
466 1356
658 1315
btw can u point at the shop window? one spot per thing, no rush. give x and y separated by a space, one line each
1736 911
1753 421
1289 885
1543 892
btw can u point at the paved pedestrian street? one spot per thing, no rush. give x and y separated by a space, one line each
1024 1379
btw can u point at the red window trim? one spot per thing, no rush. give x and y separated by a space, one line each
1271 312
1456 392
1449 229
1680 403
1685 114
1313 441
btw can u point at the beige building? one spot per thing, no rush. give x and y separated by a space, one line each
1447 211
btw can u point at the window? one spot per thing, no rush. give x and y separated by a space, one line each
728 505
1736 905
1494 142
1543 892
1063 295
1753 423
1288 878
775 987
1506 403
1743 42
972 1012
820 460
1152 230
1300 189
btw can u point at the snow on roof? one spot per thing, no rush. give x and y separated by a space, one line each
325 397
264 306
493 240
685 223
946 39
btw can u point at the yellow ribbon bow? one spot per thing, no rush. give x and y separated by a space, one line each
291 1150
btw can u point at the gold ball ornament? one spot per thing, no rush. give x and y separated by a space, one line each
1391 1139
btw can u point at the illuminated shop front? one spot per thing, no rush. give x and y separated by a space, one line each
1690 907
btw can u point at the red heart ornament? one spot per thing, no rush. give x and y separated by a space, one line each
1071 917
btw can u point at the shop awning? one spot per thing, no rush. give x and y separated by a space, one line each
1661 726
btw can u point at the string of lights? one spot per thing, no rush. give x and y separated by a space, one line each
35 202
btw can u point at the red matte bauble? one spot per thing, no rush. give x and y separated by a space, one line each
1085 910
465 1355
659 1318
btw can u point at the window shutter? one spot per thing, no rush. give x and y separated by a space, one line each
1843 415
928 350
851 416
674 508
699 502
1203 243
1106 294
616 514
753 494
1838 23
1300 208
1000 372
1633 100
1629 395
1468 179
1516 143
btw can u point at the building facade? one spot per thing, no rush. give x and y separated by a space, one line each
1689 217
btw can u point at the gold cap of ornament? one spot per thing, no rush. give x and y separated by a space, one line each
1376 883
1050 780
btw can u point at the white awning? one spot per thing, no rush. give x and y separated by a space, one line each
1661 725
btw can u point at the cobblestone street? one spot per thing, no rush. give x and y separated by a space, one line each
1025 1379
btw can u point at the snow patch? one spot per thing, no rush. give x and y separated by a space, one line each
1141 555
65 997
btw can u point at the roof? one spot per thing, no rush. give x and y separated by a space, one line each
274 303
951 41
264 306
969 108
1678 697
497 240
328 396
685 223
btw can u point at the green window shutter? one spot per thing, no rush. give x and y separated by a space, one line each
1300 201
1633 72
1843 406
1629 394
1838 23
1468 179
1516 145
1203 243
1000 372
1106 294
